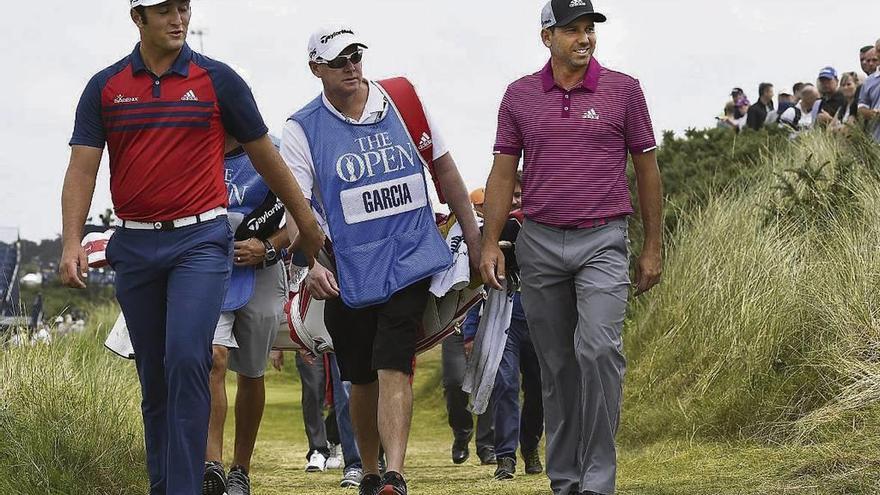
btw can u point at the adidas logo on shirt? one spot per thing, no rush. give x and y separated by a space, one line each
591 114
425 142
577 3
189 96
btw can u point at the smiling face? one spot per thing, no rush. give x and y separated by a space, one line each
848 85
573 44
164 26
344 81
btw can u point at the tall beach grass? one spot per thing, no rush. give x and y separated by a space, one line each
70 417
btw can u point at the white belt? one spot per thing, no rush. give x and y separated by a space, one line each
173 224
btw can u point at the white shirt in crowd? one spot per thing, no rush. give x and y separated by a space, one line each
295 147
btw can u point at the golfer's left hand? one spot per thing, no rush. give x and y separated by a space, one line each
249 252
648 271
277 358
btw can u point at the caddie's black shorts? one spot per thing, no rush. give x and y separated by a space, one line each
379 337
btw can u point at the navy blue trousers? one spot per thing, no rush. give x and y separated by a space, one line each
511 425
170 286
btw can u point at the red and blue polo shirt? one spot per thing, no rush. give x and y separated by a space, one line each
574 143
166 134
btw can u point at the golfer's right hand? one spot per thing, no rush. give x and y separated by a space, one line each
492 266
310 241
321 283
74 266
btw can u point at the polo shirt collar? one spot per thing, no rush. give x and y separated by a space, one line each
374 109
591 77
180 65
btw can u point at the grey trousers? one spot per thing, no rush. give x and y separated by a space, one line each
313 383
460 419
575 285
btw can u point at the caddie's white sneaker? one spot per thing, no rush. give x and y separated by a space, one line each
317 463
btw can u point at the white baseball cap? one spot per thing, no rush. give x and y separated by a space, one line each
145 3
328 42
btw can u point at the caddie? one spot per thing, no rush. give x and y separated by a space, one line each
356 156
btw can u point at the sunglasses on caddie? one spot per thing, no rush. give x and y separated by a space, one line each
342 60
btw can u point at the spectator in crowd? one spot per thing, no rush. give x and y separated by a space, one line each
850 83
455 354
741 110
869 100
517 423
868 57
796 92
478 197
800 116
831 97
735 95
757 114
727 121
315 374
786 101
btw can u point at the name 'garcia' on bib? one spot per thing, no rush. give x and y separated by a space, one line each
384 199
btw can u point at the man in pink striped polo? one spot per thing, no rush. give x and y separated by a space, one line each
574 122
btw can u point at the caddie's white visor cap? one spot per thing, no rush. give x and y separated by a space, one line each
145 3
328 42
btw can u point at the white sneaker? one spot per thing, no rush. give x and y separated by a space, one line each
335 461
317 463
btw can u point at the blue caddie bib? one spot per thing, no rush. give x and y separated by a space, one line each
375 201
250 199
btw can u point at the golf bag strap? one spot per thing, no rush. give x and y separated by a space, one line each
406 101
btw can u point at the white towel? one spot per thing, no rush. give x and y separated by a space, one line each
479 378
458 275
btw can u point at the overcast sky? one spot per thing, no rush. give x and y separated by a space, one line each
460 53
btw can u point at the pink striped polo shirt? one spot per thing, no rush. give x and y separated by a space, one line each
574 143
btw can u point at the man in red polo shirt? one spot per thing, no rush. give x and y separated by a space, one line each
574 122
163 111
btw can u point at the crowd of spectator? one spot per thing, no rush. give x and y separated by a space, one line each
835 101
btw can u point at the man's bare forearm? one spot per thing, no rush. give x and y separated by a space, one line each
650 191
499 196
456 195
269 164
77 192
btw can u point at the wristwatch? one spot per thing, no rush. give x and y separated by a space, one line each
271 254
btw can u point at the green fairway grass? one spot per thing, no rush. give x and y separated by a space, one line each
672 467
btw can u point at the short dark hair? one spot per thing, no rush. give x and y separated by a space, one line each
865 48
141 11
797 87
763 87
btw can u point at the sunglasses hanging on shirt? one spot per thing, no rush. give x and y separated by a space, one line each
341 61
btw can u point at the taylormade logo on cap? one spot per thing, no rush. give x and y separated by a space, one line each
328 37
328 42
145 3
